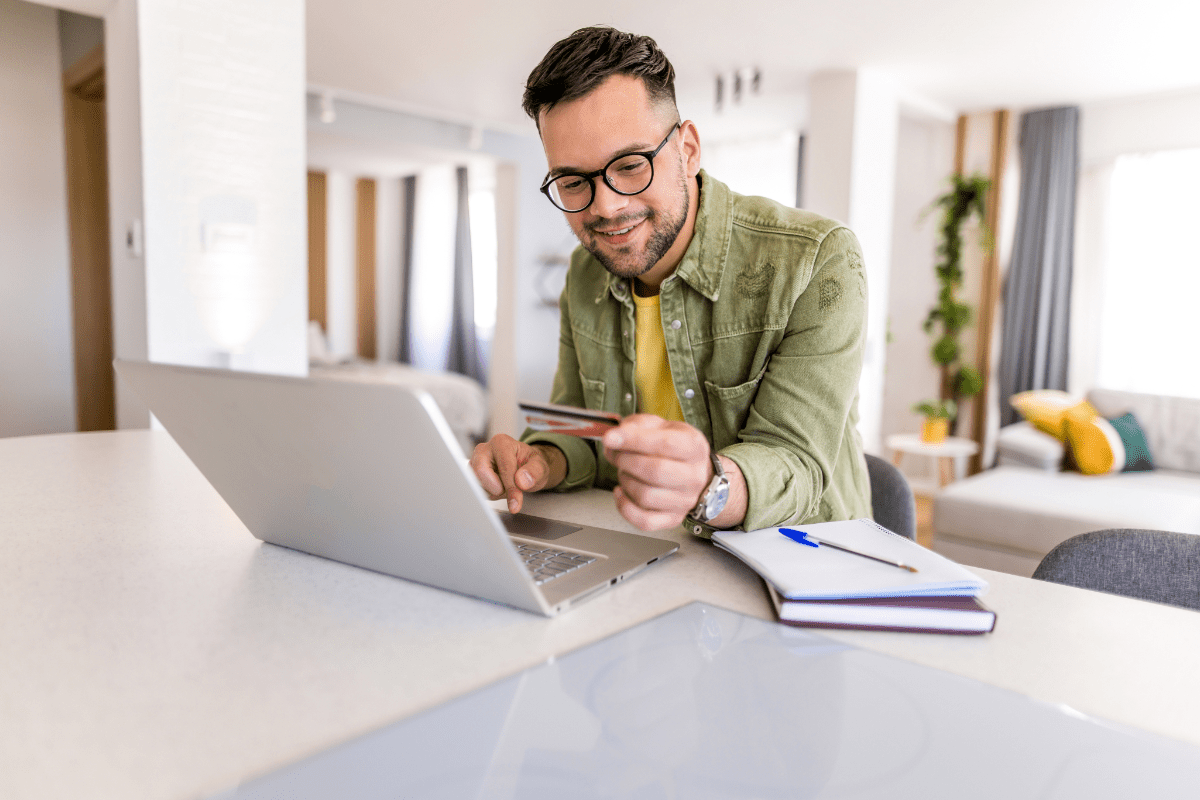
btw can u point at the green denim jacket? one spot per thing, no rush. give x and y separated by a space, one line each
764 321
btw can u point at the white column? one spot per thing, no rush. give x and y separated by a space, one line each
850 175
223 165
124 121
502 378
389 255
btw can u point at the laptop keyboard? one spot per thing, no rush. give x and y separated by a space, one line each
547 563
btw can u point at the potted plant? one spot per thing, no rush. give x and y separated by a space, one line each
938 415
948 318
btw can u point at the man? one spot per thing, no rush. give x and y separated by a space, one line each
727 331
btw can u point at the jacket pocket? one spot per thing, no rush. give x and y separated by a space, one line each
593 393
728 407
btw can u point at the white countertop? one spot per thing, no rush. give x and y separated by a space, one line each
151 648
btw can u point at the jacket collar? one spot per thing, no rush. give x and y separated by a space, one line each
704 260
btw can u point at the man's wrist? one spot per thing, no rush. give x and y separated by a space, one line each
734 512
556 464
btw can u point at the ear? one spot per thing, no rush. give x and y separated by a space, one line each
689 142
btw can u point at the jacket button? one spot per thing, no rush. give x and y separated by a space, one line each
628 397
676 325
689 394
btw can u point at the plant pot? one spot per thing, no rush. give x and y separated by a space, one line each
934 430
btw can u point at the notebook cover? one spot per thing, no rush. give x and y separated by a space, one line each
893 617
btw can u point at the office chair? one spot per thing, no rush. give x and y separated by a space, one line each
892 502
1147 565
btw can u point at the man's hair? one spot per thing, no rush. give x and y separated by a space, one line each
579 63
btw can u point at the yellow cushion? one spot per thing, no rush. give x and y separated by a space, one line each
1096 447
1046 410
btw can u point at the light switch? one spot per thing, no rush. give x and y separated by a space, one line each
133 239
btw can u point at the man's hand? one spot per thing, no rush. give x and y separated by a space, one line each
508 468
663 467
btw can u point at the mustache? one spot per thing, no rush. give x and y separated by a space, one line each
617 222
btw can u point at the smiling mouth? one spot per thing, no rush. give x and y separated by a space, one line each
619 232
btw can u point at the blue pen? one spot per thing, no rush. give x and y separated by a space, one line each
803 537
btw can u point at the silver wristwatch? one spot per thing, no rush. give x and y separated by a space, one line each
713 501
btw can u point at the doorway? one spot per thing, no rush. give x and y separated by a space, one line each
86 145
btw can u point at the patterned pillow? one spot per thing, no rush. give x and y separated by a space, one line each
1047 409
1101 446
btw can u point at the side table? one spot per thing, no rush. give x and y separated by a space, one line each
951 455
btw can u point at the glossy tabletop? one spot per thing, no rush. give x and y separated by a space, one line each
150 647
706 704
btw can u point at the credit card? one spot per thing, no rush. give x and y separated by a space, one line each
572 421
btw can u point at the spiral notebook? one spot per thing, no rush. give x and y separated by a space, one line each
818 585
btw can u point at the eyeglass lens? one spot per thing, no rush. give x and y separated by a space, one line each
629 174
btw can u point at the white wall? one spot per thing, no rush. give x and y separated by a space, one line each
763 165
1110 128
849 175
222 102
37 392
924 161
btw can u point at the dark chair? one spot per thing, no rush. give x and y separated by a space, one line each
892 502
1148 565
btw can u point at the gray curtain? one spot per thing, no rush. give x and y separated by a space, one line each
1037 290
465 352
409 187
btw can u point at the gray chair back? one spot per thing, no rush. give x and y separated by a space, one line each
892 502
1148 565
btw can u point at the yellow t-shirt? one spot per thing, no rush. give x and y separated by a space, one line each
656 391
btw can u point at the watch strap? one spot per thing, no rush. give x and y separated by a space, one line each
697 520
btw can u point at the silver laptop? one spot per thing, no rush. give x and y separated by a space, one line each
371 475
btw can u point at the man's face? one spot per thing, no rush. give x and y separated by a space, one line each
628 234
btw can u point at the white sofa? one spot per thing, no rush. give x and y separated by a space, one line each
1008 517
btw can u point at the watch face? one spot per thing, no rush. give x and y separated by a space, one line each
718 496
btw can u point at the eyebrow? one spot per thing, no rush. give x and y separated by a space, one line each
635 148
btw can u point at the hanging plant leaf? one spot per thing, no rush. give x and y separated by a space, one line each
966 198
968 382
945 351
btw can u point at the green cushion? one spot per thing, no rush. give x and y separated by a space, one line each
1137 450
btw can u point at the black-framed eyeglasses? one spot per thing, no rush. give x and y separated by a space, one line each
628 174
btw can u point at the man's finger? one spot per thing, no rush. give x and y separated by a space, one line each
505 455
651 497
632 426
677 441
481 464
657 471
642 518
532 471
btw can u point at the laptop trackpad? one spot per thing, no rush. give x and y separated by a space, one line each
536 527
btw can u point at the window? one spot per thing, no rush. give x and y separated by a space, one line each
1150 311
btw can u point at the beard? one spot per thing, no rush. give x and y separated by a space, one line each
664 230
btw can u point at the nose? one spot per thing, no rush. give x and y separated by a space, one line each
607 203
